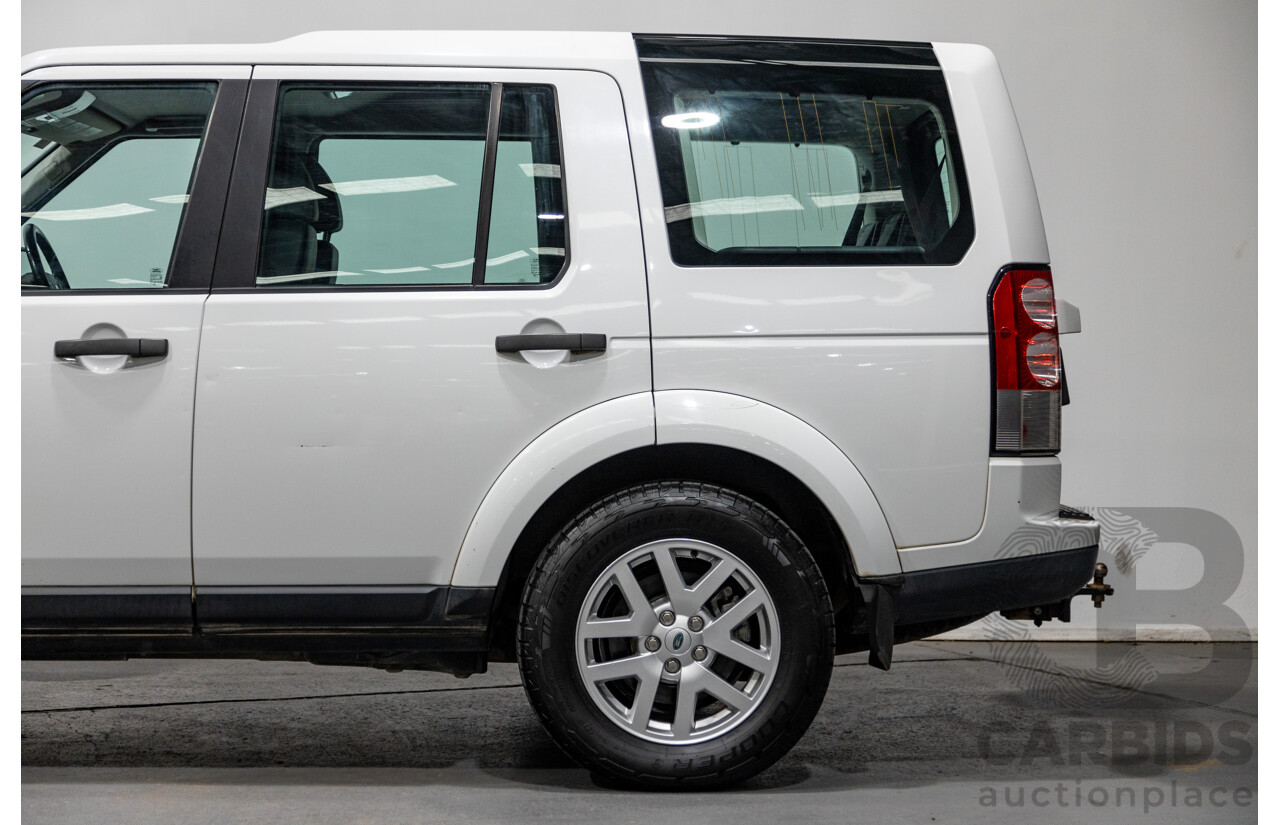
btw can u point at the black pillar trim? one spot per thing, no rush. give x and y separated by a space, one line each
486 185
237 260
197 242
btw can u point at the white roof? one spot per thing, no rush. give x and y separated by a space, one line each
504 49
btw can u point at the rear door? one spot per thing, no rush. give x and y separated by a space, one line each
125 174
387 227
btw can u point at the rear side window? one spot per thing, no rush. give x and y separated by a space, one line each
787 153
527 227
392 185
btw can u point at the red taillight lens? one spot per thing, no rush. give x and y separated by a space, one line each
1025 328
1026 366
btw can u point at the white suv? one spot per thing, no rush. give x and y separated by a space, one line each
669 367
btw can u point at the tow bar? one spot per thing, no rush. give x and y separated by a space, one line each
1098 590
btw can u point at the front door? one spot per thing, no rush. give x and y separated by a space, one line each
124 180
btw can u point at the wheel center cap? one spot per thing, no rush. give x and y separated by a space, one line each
679 641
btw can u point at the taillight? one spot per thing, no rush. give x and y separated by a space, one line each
1042 359
1026 366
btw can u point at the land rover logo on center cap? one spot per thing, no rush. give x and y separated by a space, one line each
677 641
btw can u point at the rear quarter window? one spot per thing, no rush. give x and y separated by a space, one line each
815 153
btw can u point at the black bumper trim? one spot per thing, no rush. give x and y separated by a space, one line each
1000 584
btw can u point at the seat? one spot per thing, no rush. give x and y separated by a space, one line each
887 226
297 233
329 217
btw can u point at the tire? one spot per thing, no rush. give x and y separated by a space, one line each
749 624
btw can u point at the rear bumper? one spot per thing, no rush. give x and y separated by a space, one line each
923 603
1029 552
971 590
1022 518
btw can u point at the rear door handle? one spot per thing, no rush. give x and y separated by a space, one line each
137 347
572 341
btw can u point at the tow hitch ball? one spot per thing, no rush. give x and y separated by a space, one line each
1098 590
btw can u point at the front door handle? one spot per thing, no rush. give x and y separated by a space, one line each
572 341
137 347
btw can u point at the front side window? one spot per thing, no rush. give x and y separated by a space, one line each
385 186
107 174
804 157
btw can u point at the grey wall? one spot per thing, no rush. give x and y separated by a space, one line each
1140 121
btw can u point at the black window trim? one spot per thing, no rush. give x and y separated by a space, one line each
191 262
237 264
755 49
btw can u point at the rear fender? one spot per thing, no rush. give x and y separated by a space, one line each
727 420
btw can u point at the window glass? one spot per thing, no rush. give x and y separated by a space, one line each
382 186
388 190
790 158
757 193
107 177
32 149
527 226
374 185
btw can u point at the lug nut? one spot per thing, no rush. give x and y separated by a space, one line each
667 617
652 643
695 623
672 666
699 653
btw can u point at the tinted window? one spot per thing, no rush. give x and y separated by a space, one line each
772 155
32 149
383 186
109 176
527 228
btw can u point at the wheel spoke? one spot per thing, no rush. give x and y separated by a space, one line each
719 633
672 581
633 625
725 692
758 660
618 668
686 704
642 707
689 600
711 582
636 599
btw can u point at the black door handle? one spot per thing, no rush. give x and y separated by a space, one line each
137 347
572 341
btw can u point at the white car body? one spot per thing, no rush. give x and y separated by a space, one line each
374 442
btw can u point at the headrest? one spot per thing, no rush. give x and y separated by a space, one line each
330 217
289 174
295 170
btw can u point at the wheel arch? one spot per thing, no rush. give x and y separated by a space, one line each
716 438
767 483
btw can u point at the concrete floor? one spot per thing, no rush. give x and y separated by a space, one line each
956 732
